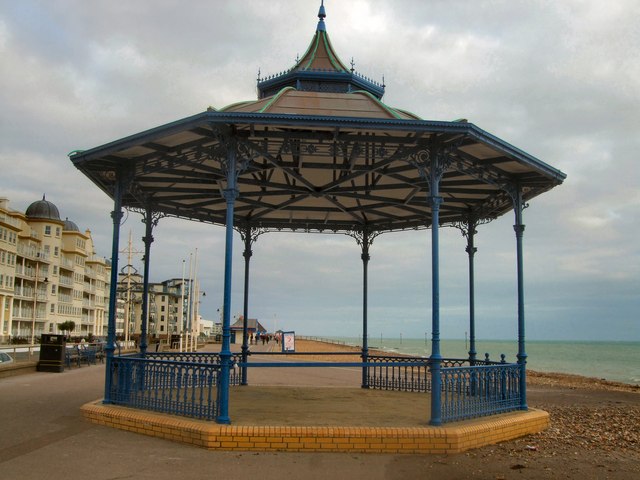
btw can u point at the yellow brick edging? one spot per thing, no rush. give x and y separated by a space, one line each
453 438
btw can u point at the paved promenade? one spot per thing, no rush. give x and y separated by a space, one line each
44 437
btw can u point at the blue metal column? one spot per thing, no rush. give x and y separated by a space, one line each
522 355
365 282
116 215
471 250
148 240
435 358
245 347
230 195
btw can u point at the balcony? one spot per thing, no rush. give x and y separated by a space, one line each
25 272
30 294
87 303
66 264
62 298
9 220
26 314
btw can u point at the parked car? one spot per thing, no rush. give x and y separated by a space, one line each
5 358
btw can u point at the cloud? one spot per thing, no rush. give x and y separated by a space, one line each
557 80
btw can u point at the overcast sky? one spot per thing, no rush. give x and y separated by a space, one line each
559 80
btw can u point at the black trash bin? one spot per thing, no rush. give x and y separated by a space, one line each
52 351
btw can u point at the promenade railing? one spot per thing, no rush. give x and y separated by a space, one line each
467 390
404 374
479 390
185 383
177 383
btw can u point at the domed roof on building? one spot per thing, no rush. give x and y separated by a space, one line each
70 226
43 209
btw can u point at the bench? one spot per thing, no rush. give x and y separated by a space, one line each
71 355
87 353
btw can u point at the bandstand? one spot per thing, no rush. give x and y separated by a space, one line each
317 152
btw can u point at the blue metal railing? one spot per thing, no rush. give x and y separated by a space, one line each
194 357
469 392
487 388
184 383
386 372
202 358
405 374
177 383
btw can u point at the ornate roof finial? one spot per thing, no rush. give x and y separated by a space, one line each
353 65
321 15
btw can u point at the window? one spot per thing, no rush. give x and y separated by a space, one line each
53 308
55 270
47 230
162 328
53 289
56 251
57 231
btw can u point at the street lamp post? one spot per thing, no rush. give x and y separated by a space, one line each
181 324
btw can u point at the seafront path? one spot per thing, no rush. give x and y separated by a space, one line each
43 436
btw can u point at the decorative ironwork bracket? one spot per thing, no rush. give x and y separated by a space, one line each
249 236
515 193
124 177
434 158
469 227
155 216
364 238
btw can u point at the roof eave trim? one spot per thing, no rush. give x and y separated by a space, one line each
218 117
515 152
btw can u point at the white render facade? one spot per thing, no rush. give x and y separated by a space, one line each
165 317
49 274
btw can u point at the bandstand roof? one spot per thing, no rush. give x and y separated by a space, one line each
318 150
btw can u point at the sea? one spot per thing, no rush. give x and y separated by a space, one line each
614 361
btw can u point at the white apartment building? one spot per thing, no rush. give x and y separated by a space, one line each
49 274
164 314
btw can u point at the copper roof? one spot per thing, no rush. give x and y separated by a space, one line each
320 55
293 102
318 151
320 70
